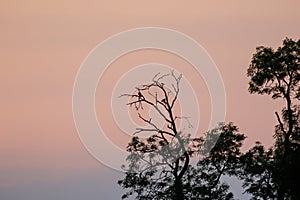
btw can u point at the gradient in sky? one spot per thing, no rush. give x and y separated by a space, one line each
43 44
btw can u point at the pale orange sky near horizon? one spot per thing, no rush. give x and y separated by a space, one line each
43 44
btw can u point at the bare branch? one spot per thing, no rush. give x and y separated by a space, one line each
157 78
186 119
155 128
141 99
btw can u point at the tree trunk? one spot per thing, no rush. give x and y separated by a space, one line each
281 192
178 189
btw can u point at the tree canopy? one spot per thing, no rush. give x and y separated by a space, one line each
171 164
277 73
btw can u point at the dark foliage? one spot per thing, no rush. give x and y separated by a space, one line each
170 164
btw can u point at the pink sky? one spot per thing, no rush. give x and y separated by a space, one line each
43 44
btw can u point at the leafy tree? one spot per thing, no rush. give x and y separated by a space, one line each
257 172
277 73
171 165
222 159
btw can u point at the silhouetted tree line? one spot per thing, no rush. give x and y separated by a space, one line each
170 164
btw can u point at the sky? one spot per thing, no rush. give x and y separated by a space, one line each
43 44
